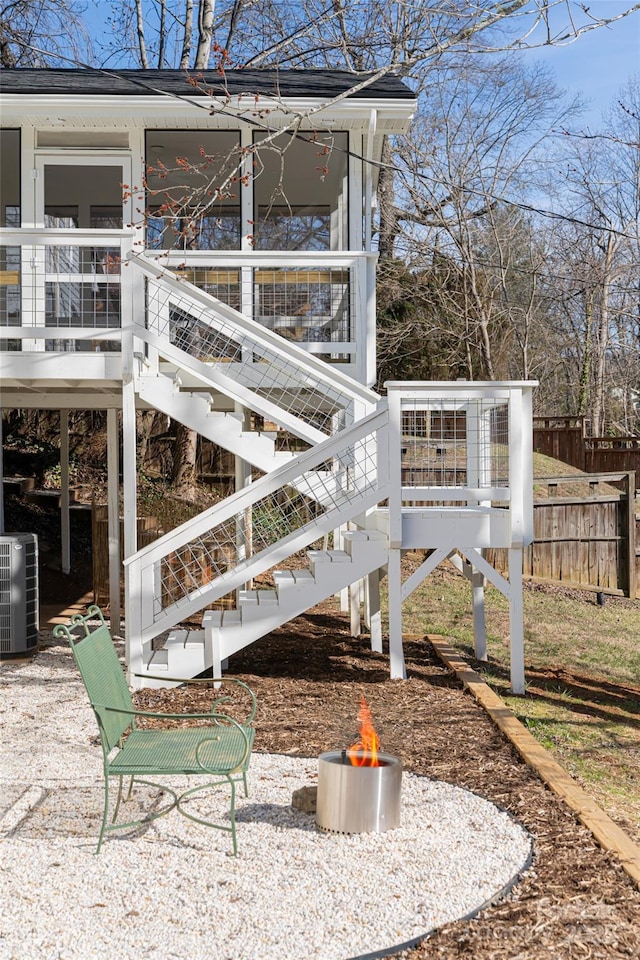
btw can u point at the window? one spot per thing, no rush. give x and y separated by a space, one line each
300 192
193 190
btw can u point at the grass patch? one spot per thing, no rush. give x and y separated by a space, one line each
582 664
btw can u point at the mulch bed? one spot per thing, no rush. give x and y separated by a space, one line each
574 902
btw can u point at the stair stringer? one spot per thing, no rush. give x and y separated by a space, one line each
224 429
261 368
218 377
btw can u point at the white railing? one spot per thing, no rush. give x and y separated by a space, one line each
255 529
61 278
317 299
62 289
462 444
224 348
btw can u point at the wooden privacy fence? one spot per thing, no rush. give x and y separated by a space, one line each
586 534
147 533
564 438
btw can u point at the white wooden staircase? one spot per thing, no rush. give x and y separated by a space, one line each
302 498
260 610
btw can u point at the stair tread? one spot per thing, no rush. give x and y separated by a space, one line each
303 576
212 618
231 617
364 535
184 638
283 576
266 597
321 556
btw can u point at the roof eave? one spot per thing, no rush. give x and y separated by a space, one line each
394 113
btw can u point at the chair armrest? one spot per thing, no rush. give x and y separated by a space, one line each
216 717
223 699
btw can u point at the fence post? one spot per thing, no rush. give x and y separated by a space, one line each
631 533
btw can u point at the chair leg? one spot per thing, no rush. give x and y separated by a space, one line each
233 817
105 813
119 800
130 790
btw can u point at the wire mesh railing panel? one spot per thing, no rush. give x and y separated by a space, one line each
223 284
299 505
82 292
306 305
455 445
269 373
10 293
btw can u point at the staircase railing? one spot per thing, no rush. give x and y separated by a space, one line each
255 529
223 348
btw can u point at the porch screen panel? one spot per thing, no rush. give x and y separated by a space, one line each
193 189
82 281
300 191
305 305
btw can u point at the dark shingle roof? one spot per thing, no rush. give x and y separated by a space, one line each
321 84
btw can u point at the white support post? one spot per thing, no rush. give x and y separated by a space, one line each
370 344
375 614
113 521
65 520
133 599
338 544
394 460
479 623
354 608
516 621
139 594
1 477
476 579
396 652
243 478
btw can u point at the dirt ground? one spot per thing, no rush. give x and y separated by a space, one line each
574 902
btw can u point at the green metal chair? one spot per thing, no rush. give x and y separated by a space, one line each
218 746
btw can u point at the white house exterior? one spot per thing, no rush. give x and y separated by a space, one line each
245 310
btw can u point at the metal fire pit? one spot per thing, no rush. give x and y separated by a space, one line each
358 799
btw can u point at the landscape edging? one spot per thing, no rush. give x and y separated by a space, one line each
608 834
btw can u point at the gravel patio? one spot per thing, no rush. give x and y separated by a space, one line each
572 900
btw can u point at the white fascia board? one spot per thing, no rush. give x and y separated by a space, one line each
395 114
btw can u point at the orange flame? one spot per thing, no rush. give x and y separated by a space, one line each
364 752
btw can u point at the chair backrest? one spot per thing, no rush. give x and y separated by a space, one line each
101 671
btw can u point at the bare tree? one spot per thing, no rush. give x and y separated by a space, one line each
37 33
482 142
598 255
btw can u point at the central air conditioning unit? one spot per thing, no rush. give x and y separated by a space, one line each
18 593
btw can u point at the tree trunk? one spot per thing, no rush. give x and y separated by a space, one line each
386 205
186 39
142 48
602 340
183 475
585 370
205 32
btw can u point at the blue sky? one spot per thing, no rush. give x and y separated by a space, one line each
599 63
